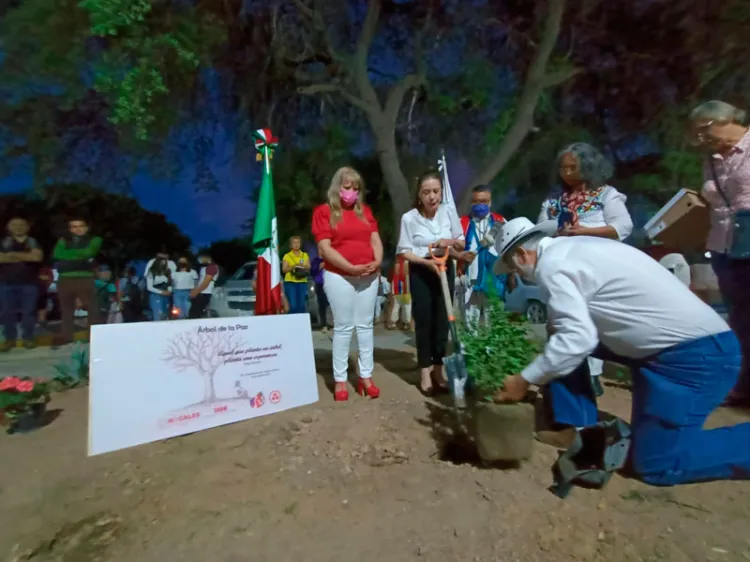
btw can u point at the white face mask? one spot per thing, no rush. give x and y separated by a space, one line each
525 270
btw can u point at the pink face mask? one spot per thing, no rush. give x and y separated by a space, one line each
349 196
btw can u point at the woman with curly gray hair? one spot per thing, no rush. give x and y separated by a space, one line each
584 205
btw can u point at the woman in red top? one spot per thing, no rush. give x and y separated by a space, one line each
350 245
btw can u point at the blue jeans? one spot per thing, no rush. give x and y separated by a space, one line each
18 300
673 394
159 306
181 301
734 277
296 294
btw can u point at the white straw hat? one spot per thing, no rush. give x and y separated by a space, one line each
515 231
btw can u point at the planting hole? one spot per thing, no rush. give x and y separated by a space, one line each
459 452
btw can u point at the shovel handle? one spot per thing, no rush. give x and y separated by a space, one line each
441 261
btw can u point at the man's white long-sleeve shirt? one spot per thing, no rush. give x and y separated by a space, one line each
600 290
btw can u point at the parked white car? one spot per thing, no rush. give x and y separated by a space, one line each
236 296
526 299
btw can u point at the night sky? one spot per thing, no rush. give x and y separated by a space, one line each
205 217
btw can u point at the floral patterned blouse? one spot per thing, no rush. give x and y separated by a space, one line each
603 206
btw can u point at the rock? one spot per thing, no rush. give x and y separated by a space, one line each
504 432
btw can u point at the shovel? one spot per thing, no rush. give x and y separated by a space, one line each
455 364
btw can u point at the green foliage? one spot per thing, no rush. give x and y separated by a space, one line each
144 49
74 372
501 348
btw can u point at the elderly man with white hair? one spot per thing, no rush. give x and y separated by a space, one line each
612 300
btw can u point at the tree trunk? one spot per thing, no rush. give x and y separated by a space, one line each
537 80
209 391
395 181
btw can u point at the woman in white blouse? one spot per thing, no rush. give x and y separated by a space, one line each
429 224
585 205
184 280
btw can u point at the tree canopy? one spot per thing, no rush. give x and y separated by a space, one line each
99 88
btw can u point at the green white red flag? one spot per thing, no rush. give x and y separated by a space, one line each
266 234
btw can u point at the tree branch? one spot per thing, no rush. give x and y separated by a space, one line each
536 81
397 92
362 52
314 89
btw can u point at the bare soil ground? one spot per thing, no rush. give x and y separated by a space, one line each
365 481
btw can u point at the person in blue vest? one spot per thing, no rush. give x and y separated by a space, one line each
477 259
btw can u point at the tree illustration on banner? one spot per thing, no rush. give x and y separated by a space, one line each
204 352
266 234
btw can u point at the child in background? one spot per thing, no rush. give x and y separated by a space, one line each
106 295
318 267
384 289
401 301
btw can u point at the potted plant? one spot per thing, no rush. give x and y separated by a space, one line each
503 347
23 403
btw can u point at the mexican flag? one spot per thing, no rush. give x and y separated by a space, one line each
266 234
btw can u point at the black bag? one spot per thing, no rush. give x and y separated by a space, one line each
134 294
597 452
740 248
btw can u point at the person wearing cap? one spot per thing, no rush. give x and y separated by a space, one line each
616 302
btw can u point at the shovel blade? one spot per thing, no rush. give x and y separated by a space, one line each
458 376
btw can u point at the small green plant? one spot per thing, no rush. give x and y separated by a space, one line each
18 395
75 372
494 351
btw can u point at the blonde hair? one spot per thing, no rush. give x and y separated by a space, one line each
718 111
334 193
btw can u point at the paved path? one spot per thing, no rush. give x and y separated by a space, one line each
40 362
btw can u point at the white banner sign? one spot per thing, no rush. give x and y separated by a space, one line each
155 380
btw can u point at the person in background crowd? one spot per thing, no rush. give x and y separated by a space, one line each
720 131
162 254
130 294
183 281
400 296
20 256
317 269
350 245
384 290
43 301
613 300
586 206
430 224
159 285
107 295
477 259
296 267
75 253
200 296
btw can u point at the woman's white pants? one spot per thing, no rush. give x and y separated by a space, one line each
352 301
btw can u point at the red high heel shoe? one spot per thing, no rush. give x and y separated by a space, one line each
372 391
341 395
